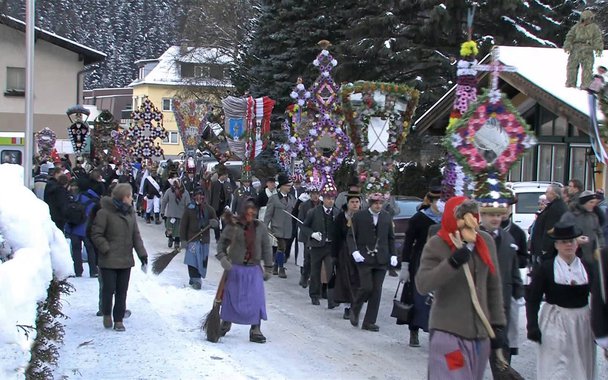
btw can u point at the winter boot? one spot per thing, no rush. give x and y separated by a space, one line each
346 314
275 270
148 218
170 243
107 321
414 341
177 244
255 335
119 326
225 327
157 218
282 273
196 283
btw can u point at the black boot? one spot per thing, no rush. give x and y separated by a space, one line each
225 327
177 243
255 335
346 314
148 218
414 341
170 243
324 291
157 218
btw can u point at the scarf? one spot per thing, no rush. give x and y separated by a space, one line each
431 215
178 194
249 229
121 206
449 226
201 216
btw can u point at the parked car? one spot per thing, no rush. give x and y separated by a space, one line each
528 193
408 206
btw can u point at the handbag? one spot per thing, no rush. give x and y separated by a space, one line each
401 310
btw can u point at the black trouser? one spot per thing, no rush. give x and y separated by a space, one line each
76 242
371 278
305 270
318 257
193 272
115 284
91 257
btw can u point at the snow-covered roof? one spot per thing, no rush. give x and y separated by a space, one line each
167 70
541 67
546 68
90 55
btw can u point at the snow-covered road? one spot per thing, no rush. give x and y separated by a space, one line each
164 341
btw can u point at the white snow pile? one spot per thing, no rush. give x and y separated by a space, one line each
39 251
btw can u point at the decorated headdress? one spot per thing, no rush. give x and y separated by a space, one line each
297 178
190 165
492 194
314 183
246 171
328 187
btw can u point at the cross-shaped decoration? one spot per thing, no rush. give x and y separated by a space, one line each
494 68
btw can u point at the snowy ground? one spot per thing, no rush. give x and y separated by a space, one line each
163 339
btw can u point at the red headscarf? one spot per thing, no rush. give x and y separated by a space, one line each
449 226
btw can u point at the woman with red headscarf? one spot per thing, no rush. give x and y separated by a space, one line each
459 345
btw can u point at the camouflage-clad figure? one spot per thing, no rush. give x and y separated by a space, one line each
582 41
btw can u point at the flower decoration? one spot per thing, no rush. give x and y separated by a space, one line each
145 130
191 117
46 139
491 193
102 139
501 117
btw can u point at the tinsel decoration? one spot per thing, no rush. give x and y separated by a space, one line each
45 140
145 130
79 129
103 142
326 146
49 332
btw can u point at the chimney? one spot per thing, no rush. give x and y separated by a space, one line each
183 46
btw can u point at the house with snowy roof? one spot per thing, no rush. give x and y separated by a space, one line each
185 71
558 115
59 67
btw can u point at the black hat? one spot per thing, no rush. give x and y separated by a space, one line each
284 179
564 231
435 187
349 196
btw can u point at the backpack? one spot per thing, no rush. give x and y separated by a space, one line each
75 213
91 217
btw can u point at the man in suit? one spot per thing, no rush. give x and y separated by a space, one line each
303 210
220 194
320 231
277 216
244 192
371 241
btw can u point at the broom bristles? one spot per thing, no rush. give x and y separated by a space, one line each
213 324
162 261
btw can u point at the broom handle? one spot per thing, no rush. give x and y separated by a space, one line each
220 288
198 234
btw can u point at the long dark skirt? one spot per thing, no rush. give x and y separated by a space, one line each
346 277
244 301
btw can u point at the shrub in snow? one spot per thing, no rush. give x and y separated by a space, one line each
39 253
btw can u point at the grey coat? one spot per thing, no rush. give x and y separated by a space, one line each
115 235
170 207
452 309
276 216
232 244
589 223
370 237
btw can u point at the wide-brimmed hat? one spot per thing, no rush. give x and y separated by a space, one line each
564 231
284 180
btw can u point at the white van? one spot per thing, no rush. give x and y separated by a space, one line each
528 193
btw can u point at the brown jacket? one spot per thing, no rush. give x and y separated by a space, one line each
189 225
232 244
452 309
115 235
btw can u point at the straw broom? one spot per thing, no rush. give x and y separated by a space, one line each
212 323
161 261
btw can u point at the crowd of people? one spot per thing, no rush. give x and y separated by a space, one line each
345 244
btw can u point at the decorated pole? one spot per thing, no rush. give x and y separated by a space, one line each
146 130
79 129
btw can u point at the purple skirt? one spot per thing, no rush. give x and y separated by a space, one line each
244 302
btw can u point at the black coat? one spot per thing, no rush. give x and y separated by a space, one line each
415 239
149 189
215 194
317 221
540 241
57 198
369 237
519 238
599 299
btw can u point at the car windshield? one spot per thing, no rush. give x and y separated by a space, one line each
407 208
527 203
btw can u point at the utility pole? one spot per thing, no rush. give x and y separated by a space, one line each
30 31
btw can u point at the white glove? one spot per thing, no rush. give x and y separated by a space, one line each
358 257
404 276
304 197
394 261
317 236
144 268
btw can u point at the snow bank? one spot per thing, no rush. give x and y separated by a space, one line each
39 251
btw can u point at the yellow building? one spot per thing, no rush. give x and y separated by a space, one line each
181 71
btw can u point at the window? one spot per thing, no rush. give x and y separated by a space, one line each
167 104
172 138
551 160
201 71
142 72
11 157
15 81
